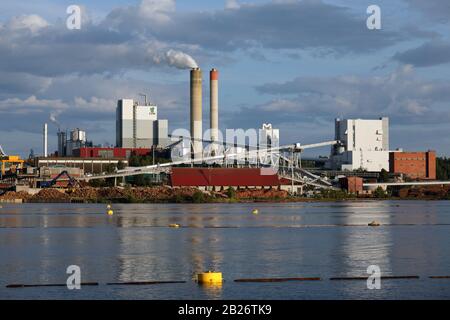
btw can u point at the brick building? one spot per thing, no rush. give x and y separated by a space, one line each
352 184
414 165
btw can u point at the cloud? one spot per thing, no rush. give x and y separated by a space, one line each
428 54
152 34
33 23
232 4
14 83
30 104
80 74
93 101
26 48
308 24
401 95
438 10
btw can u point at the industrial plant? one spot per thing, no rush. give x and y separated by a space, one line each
360 154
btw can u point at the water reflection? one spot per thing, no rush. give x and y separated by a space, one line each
38 242
355 249
212 291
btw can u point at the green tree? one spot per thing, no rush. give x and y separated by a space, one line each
231 193
139 180
379 193
110 168
384 176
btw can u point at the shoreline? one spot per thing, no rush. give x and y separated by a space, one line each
167 194
216 201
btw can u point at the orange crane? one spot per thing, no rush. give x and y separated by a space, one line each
14 161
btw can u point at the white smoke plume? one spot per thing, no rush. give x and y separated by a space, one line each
53 119
180 60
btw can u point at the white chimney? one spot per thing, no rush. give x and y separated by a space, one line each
45 140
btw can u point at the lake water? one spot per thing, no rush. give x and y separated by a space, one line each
39 241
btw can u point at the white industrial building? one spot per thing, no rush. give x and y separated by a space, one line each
137 126
364 145
269 137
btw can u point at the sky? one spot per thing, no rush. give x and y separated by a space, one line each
295 64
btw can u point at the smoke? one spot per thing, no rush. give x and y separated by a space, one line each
180 60
53 119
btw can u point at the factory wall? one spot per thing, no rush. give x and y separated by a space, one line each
138 126
352 184
161 133
359 134
364 145
96 152
124 123
415 165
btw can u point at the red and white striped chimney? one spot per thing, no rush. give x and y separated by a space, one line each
214 108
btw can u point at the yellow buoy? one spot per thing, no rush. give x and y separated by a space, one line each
110 212
209 277
374 224
255 211
174 225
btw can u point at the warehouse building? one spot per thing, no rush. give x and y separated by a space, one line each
364 145
414 165
224 178
88 165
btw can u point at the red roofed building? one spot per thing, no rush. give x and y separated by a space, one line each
222 177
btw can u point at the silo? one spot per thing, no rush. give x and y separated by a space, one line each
196 113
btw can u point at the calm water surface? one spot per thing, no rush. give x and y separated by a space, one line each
39 241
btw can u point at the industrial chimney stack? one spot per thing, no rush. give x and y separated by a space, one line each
45 146
196 113
214 109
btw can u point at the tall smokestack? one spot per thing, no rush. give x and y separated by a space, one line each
214 108
196 113
45 146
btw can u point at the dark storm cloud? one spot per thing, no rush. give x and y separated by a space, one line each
284 25
428 54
